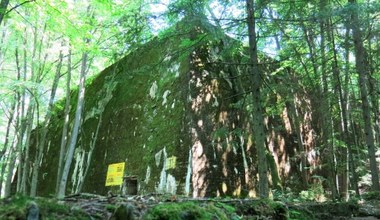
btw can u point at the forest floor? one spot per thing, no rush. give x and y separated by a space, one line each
161 207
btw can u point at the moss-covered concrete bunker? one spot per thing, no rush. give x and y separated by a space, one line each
179 96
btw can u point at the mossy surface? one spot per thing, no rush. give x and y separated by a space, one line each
98 207
141 107
17 208
176 96
187 210
258 208
300 214
134 122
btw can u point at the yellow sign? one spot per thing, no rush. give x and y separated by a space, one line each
171 162
115 174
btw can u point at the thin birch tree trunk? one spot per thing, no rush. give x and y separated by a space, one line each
3 158
76 126
11 165
9 126
25 131
22 118
44 129
65 124
25 165
16 149
13 149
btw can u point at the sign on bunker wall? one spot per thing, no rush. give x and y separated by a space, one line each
171 163
115 174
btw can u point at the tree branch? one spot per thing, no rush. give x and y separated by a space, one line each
13 8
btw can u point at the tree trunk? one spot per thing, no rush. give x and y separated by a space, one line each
65 129
361 64
19 130
7 133
257 112
44 129
13 151
11 165
3 157
3 9
348 162
325 112
25 128
76 126
351 136
373 83
25 165
21 120
375 100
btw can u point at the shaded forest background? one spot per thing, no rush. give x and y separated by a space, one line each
328 98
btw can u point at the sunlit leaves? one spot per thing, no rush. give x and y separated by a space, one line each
39 31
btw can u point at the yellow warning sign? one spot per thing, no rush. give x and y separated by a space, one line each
171 162
115 174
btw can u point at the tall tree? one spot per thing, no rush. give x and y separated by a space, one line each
362 68
257 109
75 130
66 116
44 128
42 27
327 132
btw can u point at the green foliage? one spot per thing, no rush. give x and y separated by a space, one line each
315 193
13 207
182 8
371 195
186 43
284 195
108 30
220 133
229 209
299 215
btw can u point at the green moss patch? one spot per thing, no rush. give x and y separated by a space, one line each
259 208
186 210
300 215
17 208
